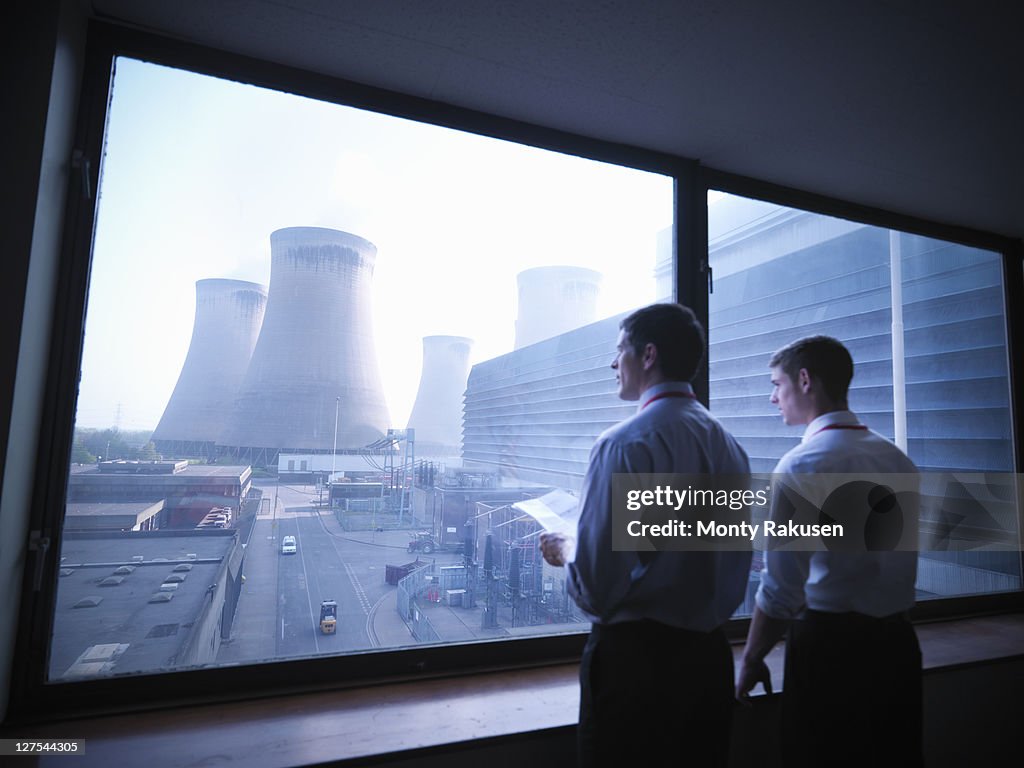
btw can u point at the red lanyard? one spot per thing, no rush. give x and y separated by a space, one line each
669 394
840 426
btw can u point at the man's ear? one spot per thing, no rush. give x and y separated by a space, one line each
803 380
650 358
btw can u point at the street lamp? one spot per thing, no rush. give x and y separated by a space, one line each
334 450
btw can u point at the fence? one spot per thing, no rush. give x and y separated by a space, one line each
408 588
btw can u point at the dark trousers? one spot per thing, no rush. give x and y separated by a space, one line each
655 695
852 692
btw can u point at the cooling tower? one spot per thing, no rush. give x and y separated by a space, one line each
315 352
553 300
227 323
437 413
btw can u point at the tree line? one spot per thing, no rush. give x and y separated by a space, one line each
91 444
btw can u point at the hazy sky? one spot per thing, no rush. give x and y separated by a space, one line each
199 171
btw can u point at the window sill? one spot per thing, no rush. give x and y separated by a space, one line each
309 729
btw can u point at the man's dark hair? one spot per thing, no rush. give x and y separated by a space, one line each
674 331
825 359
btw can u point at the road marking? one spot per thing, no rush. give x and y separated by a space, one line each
371 630
314 620
360 593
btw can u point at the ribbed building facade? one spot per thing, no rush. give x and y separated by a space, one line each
534 413
781 274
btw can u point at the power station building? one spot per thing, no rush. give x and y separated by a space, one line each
533 414
186 492
781 274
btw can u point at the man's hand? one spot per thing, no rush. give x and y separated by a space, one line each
751 673
556 548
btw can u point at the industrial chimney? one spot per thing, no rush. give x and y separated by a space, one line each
437 413
315 364
553 300
227 324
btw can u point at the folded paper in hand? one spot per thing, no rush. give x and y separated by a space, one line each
556 511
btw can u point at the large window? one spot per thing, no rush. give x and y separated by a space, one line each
925 322
326 351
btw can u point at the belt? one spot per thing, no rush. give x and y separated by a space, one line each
854 617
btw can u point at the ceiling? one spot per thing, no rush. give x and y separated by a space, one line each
909 105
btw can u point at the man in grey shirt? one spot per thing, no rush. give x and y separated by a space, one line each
853 666
656 673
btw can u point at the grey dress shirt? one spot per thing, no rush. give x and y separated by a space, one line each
692 590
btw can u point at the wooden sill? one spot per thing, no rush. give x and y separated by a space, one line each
308 729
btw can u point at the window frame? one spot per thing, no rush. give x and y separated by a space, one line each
1012 255
32 697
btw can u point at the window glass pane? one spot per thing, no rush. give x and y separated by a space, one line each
933 308
325 351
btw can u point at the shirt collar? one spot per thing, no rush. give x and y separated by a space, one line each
665 386
827 420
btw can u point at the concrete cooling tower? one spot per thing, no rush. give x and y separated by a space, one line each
315 352
227 324
437 413
553 300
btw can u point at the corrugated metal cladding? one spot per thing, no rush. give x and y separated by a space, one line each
782 274
536 412
779 275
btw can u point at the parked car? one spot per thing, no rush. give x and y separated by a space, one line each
288 546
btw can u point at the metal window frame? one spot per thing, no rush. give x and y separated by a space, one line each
1012 253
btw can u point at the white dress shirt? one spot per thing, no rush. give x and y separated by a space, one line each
872 583
691 590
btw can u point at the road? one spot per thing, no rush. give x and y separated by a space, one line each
283 592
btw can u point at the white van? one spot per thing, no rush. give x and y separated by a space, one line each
288 545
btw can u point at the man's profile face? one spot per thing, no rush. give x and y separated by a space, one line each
628 369
793 403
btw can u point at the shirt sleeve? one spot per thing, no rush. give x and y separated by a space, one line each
781 592
600 578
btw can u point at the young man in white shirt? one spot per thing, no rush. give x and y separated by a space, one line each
852 688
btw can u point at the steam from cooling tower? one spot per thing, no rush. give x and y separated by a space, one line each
316 355
553 300
437 413
227 322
